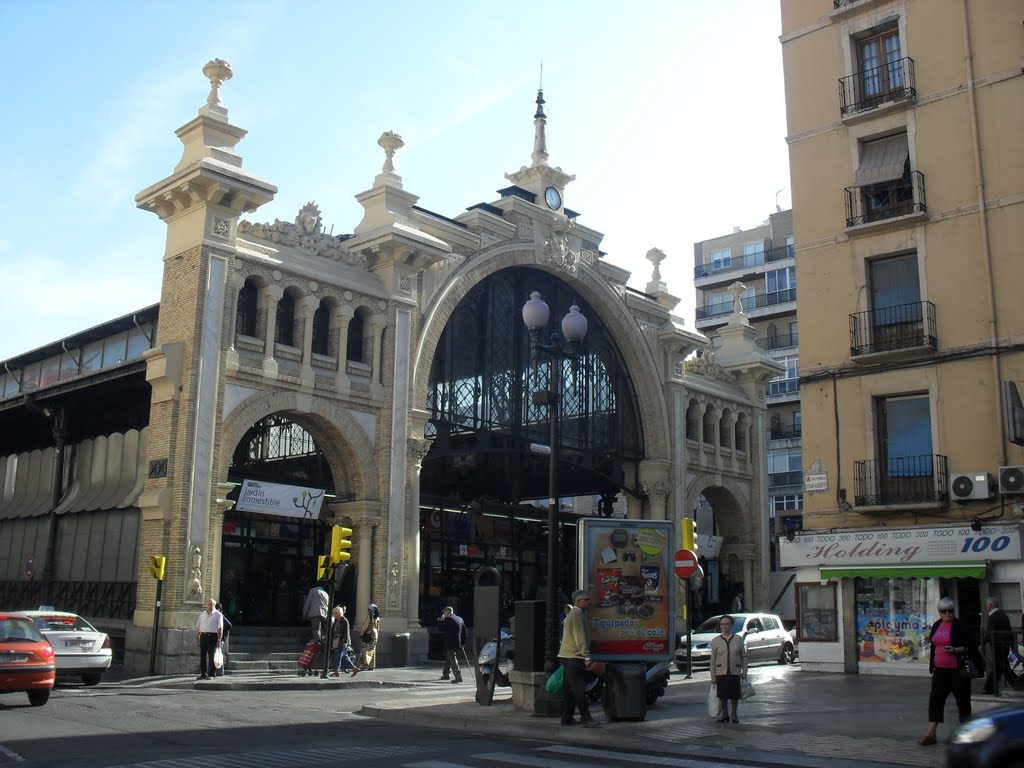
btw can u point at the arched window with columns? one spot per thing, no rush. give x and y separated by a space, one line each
354 347
246 308
284 327
725 436
692 415
321 328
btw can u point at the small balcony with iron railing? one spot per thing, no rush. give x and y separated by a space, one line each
908 481
904 330
744 263
886 200
758 305
778 341
889 84
784 432
786 479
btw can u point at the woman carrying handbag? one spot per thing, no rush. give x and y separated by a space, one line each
369 635
728 667
951 647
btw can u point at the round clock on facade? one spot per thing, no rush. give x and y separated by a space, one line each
552 198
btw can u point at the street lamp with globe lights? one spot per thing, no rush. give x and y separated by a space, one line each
536 314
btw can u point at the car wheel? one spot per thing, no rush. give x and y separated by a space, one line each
91 679
786 657
38 698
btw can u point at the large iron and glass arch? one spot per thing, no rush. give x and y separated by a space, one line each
483 420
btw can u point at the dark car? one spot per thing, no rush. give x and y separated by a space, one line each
993 739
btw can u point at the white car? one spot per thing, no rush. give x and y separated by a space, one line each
80 648
763 635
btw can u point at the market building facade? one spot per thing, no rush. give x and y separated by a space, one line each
382 380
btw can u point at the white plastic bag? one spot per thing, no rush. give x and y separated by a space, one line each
714 704
218 658
747 689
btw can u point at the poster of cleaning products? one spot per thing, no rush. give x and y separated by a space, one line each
627 566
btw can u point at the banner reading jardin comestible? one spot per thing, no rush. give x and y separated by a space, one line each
274 499
627 567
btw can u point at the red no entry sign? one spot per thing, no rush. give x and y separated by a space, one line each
686 563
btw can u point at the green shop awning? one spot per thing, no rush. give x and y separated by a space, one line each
915 571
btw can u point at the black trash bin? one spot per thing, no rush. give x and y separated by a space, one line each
400 649
625 691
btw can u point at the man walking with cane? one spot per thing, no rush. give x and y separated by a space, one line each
454 629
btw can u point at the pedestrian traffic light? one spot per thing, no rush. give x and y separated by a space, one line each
340 543
690 534
323 568
157 563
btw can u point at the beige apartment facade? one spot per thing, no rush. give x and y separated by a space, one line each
908 204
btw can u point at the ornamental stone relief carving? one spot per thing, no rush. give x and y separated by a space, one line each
221 228
556 250
656 491
305 232
705 365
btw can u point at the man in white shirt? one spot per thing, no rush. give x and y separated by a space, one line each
209 631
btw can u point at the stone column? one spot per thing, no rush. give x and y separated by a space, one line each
701 408
375 326
730 424
269 296
339 324
418 449
231 355
305 308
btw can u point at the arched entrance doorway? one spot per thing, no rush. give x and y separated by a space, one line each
484 482
725 552
270 546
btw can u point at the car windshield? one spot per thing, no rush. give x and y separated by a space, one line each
711 625
63 624
15 629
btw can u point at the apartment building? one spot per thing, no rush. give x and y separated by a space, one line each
762 259
904 125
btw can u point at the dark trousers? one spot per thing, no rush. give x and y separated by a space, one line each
574 692
451 663
316 627
945 682
207 647
1000 666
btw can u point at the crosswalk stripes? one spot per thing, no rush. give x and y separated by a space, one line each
281 759
574 757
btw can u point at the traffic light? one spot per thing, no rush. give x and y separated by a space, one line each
690 534
340 543
323 568
157 564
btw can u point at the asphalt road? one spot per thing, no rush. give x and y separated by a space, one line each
120 726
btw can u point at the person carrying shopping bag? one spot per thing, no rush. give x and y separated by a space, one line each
728 668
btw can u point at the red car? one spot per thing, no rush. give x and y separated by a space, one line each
26 659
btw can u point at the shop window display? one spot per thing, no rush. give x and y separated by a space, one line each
894 617
818 617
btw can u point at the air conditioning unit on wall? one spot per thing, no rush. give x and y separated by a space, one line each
1011 481
969 486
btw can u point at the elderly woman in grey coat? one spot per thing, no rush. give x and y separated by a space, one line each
728 667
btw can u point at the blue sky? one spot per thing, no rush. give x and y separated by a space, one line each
671 114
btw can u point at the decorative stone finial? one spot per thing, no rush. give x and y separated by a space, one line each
737 289
540 141
656 256
219 71
390 141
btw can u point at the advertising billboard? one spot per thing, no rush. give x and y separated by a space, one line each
627 566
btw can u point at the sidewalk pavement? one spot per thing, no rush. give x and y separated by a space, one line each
797 718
